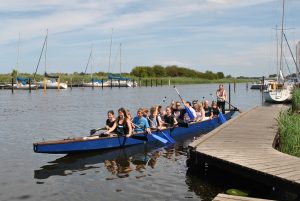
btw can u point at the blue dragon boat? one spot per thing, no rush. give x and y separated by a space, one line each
93 143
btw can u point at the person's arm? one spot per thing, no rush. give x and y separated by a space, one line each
225 95
175 121
112 128
129 128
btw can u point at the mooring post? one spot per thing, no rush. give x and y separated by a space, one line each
133 83
234 86
111 83
262 87
151 82
93 83
71 83
161 83
146 83
12 85
229 94
119 83
29 80
102 83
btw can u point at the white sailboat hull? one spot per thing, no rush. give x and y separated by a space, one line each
116 83
92 84
52 85
279 95
20 86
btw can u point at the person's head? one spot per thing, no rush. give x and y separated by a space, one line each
122 113
221 87
159 108
140 112
177 104
128 114
145 112
153 110
198 107
214 104
110 114
188 104
168 110
194 103
205 103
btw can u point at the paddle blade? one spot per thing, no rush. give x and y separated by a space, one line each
190 114
222 118
159 138
169 138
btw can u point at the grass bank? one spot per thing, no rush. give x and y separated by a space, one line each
289 127
78 79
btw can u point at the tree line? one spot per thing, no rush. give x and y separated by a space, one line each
173 71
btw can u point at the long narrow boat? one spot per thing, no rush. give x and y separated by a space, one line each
92 143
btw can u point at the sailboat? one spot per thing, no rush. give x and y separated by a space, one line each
118 80
93 83
50 82
21 83
281 89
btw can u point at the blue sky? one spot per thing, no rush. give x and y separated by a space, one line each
236 37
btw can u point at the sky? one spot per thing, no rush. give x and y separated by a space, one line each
236 37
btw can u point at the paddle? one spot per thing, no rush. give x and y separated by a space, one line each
188 111
93 131
169 138
163 100
222 118
235 108
155 136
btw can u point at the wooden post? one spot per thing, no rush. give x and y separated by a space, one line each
161 82
12 85
119 83
111 83
29 80
133 83
58 84
126 83
262 90
146 82
151 82
229 95
45 87
102 83
234 86
93 83
71 83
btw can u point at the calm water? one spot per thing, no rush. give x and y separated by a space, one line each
143 172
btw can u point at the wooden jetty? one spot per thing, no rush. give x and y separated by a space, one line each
224 197
244 146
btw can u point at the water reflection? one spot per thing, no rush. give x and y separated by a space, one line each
118 162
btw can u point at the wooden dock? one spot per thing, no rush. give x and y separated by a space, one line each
244 146
224 197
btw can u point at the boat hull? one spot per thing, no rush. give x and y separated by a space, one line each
92 143
21 86
52 85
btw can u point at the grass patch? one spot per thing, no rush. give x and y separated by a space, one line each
296 100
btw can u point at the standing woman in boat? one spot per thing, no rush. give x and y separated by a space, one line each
122 124
221 97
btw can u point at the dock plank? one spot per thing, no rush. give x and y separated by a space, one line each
225 197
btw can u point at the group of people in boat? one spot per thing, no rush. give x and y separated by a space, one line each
158 118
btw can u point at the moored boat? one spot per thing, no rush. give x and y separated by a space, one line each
93 143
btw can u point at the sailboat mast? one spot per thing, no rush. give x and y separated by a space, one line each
281 42
92 62
120 59
18 54
110 50
46 46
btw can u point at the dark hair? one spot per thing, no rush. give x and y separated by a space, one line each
189 103
123 111
110 112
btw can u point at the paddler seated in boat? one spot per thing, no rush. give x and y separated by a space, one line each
194 103
207 109
189 107
178 112
199 112
169 119
154 120
140 123
161 111
214 110
110 119
122 124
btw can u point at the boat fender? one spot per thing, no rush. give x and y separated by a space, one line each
237 192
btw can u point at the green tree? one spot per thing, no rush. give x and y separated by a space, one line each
220 75
14 73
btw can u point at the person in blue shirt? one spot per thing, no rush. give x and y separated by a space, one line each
140 123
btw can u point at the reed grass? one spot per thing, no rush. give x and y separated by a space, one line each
289 132
296 100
